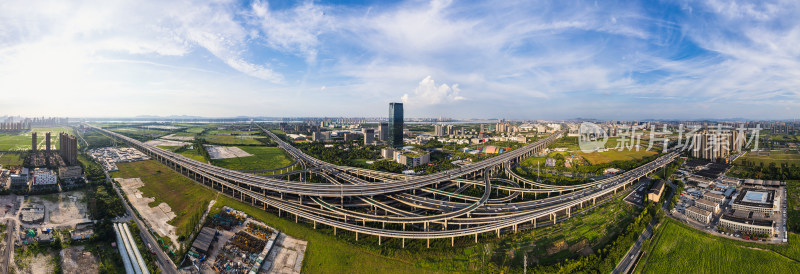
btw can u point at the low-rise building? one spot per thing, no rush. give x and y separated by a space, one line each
699 214
19 179
655 192
70 172
387 153
43 179
746 222
714 197
758 200
707 205
412 158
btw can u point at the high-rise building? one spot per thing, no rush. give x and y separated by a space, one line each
383 131
68 148
369 135
711 146
438 130
33 142
47 142
396 124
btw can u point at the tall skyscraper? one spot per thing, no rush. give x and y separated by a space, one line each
33 142
383 130
68 148
396 124
47 142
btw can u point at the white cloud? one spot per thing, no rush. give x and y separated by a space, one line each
293 30
428 93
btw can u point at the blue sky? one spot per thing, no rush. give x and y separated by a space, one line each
461 59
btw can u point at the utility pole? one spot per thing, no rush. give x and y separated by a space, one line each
525 264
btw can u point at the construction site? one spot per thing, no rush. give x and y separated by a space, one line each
232 242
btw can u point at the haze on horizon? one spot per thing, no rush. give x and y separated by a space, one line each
498 59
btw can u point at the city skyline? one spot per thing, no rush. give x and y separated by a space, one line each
462 60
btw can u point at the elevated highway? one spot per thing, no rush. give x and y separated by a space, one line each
365 201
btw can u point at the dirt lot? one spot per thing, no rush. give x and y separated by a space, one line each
40 263
286 255
179 138
158 216
75 260
166 143
63 209
221 152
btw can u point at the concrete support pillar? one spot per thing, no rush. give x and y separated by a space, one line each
453 241
404 242
476 238
379 239
429 243
356 236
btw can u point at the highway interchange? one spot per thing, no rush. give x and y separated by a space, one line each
415 207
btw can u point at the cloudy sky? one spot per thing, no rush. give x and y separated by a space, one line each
461 59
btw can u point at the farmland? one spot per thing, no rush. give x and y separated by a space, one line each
681 249
263 158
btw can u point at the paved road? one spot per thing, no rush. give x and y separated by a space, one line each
628 261
162 260
10 230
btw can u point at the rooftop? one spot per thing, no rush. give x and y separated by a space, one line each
756 197
698 210
746 217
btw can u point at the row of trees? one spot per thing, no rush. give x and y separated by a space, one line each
335 155
606 258
772 171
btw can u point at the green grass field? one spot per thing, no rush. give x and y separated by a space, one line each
22 142
192 154
768 157
11 159
680 249
263 158
598 158
15 143
232 140
181 194
784 138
